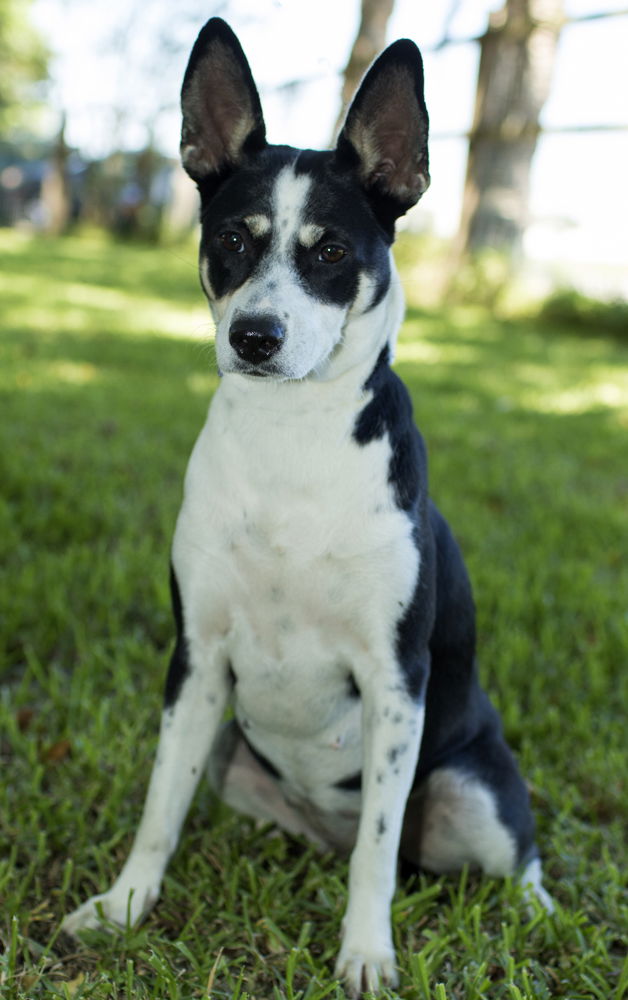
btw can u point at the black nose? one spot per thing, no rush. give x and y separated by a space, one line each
256 338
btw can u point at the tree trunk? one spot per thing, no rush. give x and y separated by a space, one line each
369 42
55 189
516 62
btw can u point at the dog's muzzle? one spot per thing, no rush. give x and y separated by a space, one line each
255 339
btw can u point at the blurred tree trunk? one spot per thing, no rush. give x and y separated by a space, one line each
516 62
55 189
369 42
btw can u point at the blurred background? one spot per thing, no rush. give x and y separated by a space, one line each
528 102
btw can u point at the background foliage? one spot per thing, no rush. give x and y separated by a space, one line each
24 60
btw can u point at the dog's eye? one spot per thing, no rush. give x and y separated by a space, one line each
232 241
331 253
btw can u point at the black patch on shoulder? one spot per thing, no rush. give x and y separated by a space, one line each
350 784
372 422
390 412
179 664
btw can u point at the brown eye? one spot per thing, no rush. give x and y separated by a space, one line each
331 253
232 241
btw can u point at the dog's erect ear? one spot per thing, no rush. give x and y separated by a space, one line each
222 114
384 135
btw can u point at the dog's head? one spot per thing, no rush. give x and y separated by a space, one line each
295 245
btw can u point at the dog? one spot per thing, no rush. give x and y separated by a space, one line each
315 586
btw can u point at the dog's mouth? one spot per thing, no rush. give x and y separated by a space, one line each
272 372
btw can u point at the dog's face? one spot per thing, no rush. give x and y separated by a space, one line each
296 244
289 250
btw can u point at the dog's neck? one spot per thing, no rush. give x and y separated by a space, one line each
367 332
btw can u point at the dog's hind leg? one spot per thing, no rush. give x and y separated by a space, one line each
451 821
474 810
472 806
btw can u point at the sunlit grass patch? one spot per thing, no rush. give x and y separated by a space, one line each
100 285
100 404
32 300
521 364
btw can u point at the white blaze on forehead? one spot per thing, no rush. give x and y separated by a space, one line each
289 198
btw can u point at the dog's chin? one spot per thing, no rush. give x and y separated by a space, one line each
270 371
260 373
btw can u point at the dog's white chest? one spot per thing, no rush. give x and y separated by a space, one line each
290 548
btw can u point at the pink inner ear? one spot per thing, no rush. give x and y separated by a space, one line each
218 113
384 169
401 171
389 133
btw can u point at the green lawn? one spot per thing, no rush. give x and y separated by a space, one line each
105 376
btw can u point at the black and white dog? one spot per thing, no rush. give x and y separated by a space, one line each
315 586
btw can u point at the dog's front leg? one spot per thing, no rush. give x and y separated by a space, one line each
392 728
187 731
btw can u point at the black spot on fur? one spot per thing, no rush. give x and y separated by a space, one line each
397 751
350 784
381 826
179 666
353 690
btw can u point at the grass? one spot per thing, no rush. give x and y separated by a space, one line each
104 381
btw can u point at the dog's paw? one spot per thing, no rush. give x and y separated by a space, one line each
87 917
118 908
363 972
531 880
